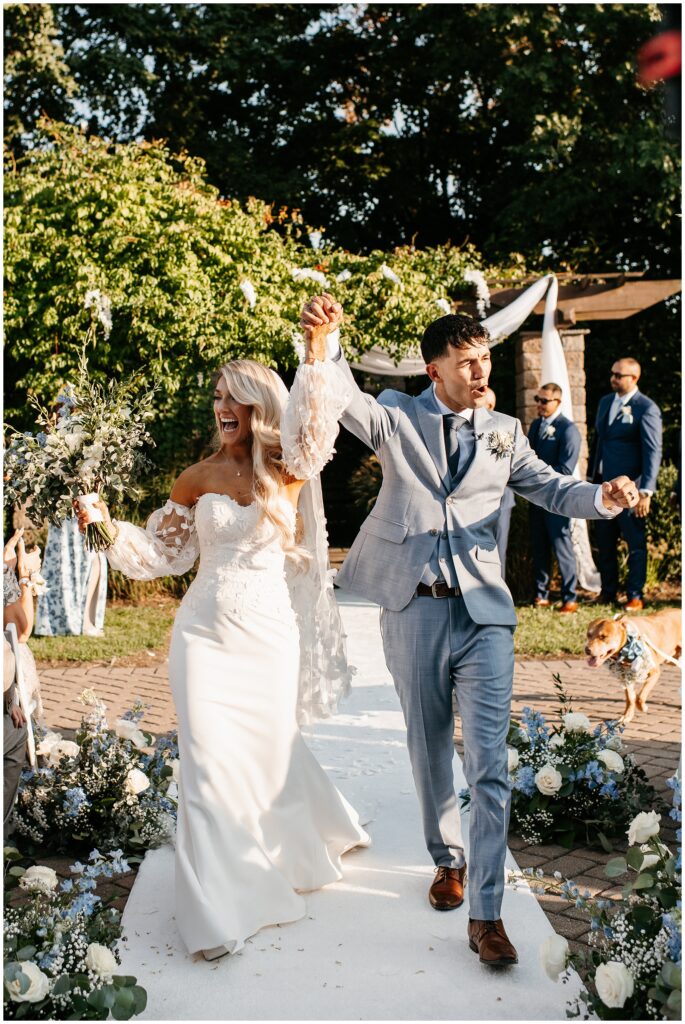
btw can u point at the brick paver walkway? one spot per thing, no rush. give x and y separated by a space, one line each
654 738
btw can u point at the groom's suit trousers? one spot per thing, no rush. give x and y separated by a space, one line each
433 647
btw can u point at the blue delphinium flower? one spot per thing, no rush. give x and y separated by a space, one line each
535 726
525 780
74 800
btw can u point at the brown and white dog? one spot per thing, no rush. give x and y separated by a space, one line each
634 649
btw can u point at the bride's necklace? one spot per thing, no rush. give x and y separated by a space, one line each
223 453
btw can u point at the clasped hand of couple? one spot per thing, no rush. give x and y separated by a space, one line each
322 315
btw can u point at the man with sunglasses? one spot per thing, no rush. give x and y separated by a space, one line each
556 440
627 441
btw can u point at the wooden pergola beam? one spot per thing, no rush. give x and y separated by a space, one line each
596 297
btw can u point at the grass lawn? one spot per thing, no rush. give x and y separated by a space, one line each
543 632
133 630
130 631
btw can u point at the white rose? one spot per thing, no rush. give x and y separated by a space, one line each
48 742
574 721
136 782
611 760
556 740
64 748
39 878
548 780
73 439
39 984
512 759
127 730
614 983
101 960
642 828
650 858
175 769
553 952
615 743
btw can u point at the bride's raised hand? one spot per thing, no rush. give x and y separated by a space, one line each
320 317
85 515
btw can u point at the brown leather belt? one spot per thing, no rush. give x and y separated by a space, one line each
437 589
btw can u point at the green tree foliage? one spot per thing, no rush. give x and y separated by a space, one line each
37 79
520 126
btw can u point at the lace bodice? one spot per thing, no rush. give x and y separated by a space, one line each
242 562
237 536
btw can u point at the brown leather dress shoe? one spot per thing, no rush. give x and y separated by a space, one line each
447 890
634 605
489 940
568 608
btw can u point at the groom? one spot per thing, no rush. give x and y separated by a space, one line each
427 554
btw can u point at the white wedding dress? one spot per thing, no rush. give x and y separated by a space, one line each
259 821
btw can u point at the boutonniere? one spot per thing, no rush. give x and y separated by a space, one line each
626 414
500 442
550 432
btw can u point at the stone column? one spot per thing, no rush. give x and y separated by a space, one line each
528 379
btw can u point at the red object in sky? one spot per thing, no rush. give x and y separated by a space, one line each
661 57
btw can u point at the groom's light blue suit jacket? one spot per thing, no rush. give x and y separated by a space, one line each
417 504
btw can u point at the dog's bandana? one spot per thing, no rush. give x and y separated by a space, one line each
634 661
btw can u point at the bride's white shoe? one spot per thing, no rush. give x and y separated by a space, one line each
216 953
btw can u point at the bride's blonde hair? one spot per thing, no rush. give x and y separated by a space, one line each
250 383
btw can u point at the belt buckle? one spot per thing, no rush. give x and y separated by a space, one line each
434 585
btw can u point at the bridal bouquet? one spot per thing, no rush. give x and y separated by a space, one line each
60 944
92 448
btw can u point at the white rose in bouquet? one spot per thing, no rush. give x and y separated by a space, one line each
39 878
64 748
614 984
548 780
611 760
574 721
643 827
556 740
127 730
136 782
615 743
101 961
48 742
512 759
39 984
553 952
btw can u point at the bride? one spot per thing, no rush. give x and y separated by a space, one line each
257 639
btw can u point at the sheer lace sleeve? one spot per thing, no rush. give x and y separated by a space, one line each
309 425
168 546
10 587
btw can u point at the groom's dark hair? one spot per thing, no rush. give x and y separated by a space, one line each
456 330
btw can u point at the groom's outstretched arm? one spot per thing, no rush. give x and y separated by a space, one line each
366 418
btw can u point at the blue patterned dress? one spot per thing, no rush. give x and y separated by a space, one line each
67 569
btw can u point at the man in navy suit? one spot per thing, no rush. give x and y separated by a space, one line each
556 440
627 440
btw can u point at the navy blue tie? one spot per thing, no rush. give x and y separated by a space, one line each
452 424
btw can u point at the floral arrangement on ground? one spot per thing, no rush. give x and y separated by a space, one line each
110 788
60 939
633 968
571 782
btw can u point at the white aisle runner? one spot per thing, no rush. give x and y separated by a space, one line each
371 947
